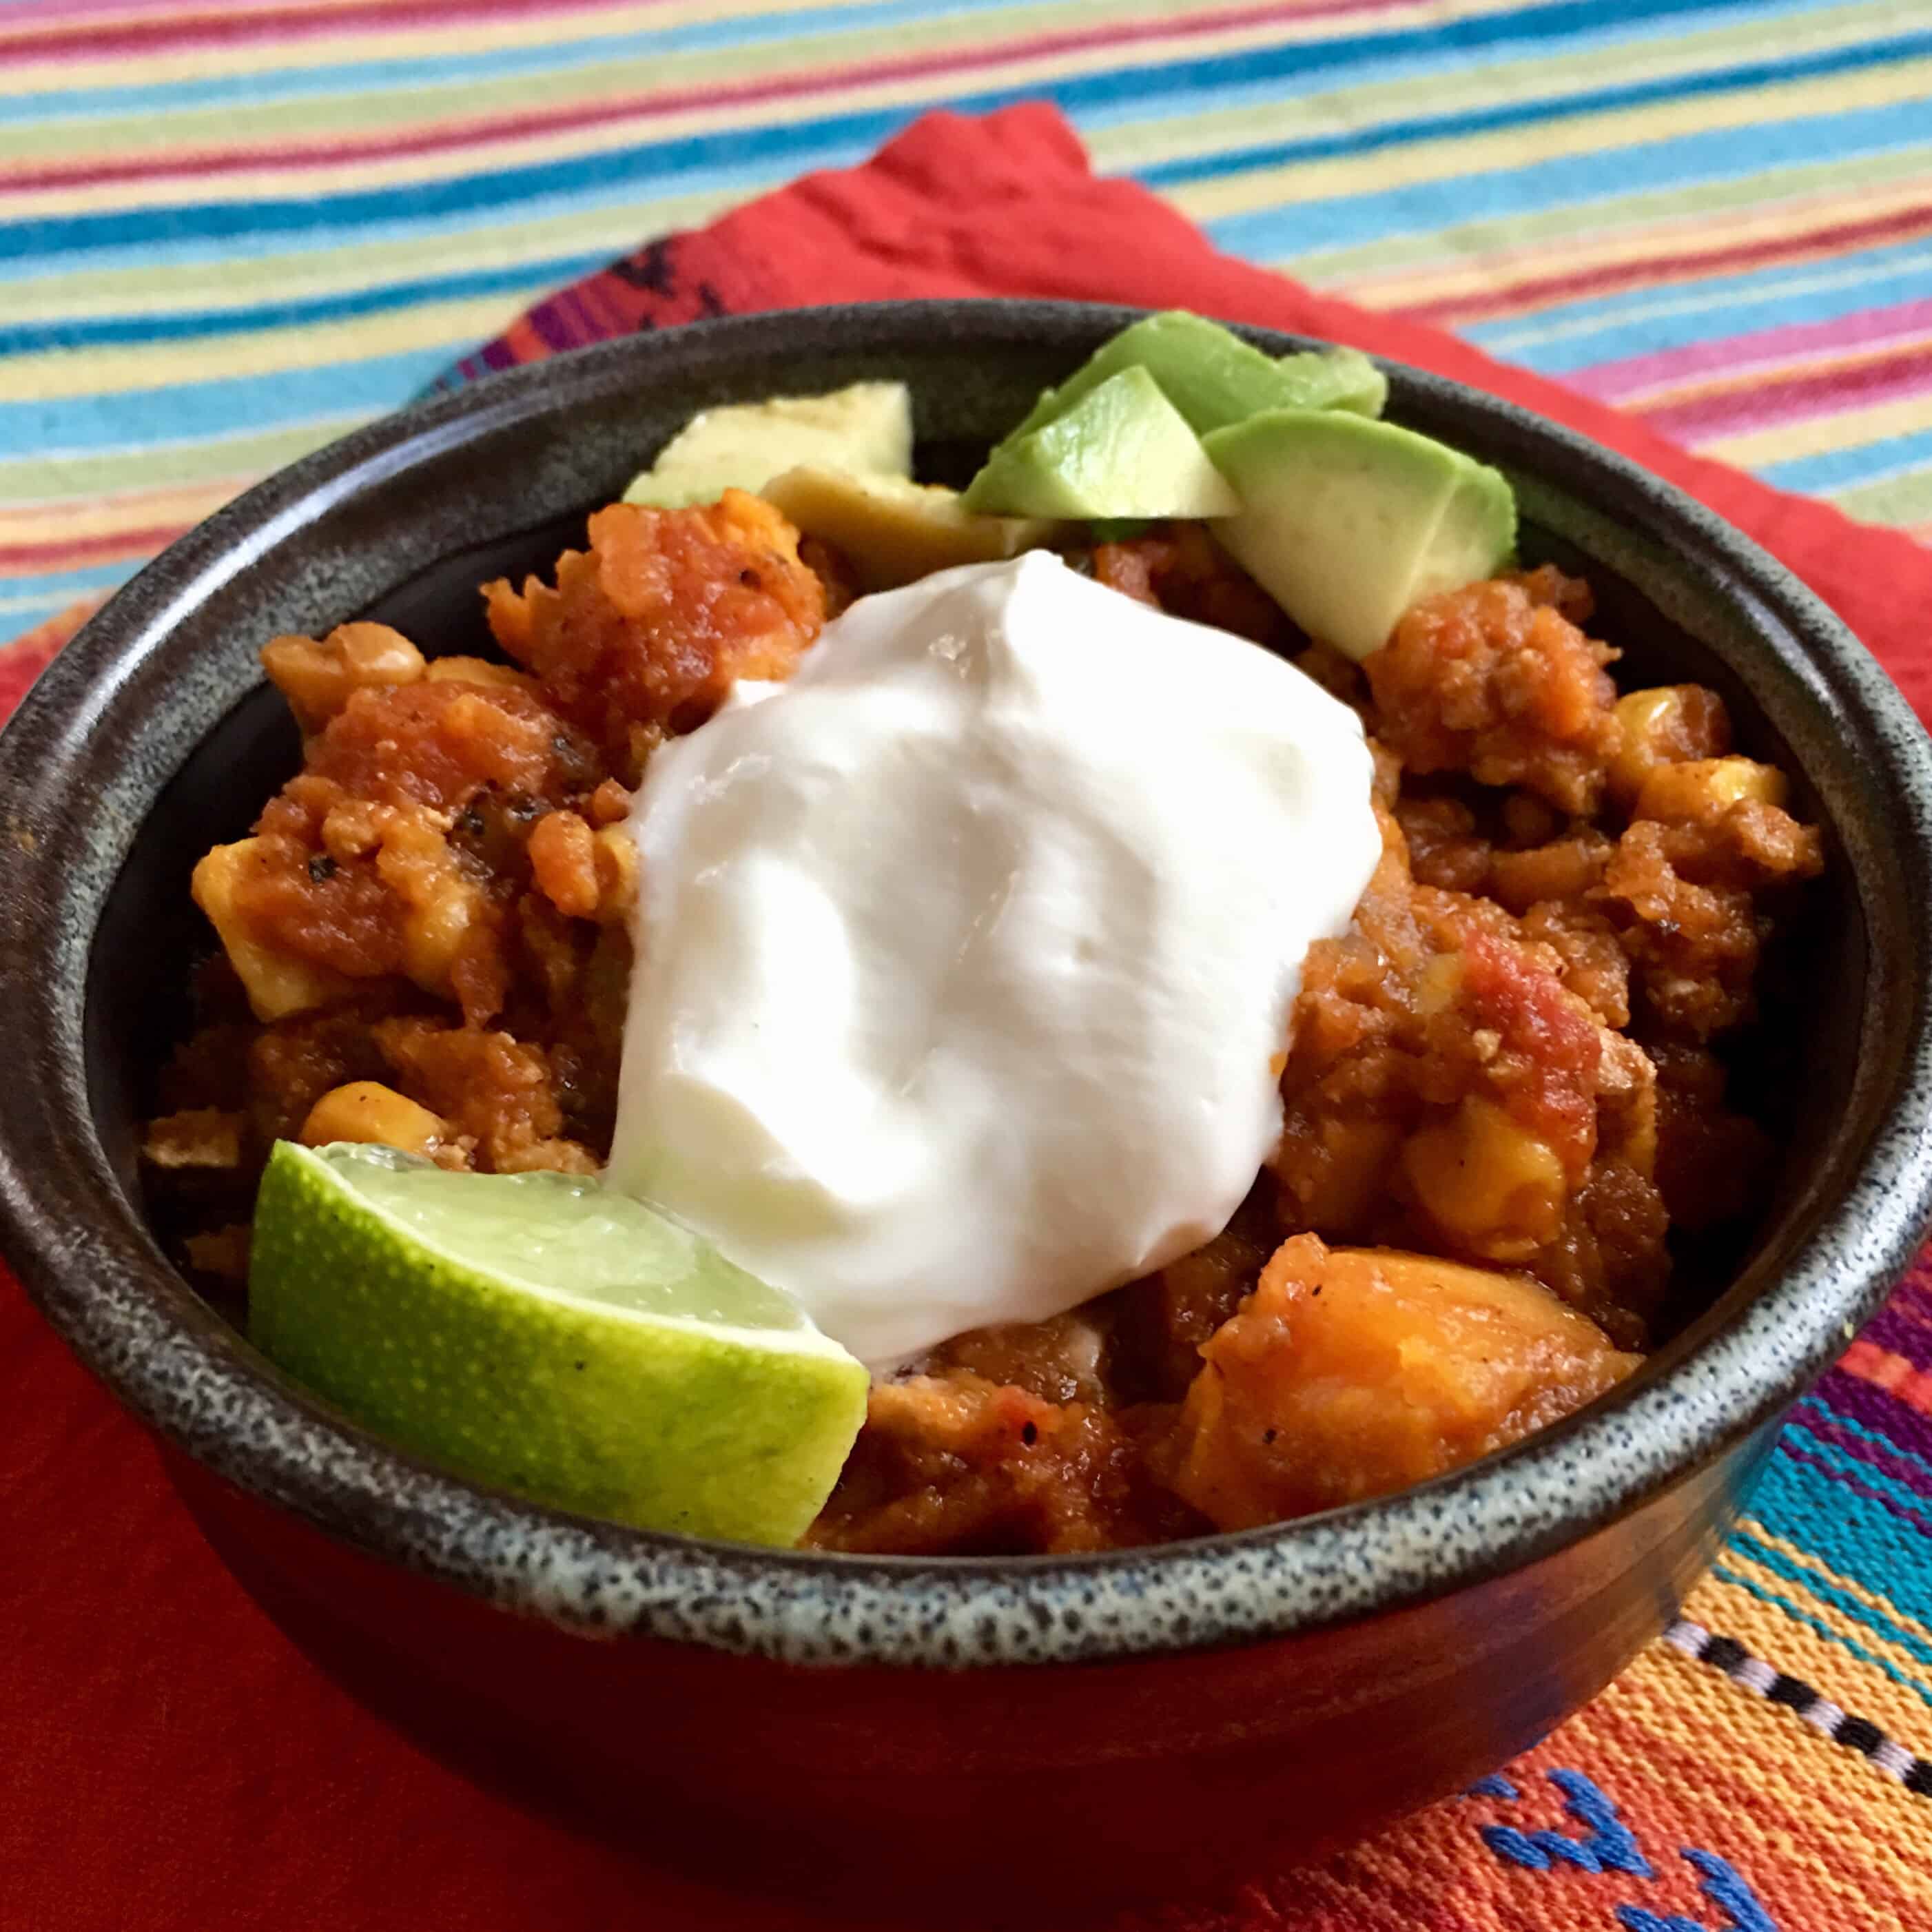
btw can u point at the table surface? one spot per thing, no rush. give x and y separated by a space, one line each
234 228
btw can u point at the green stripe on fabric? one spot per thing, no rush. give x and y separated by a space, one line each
1890 499
657 73
1444 86
45 478
163 287
1575 221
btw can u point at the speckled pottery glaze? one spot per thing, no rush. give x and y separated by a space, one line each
1098 1724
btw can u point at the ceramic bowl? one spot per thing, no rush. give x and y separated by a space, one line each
1147 1718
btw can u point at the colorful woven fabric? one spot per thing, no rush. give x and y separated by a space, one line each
1764 1767
232 228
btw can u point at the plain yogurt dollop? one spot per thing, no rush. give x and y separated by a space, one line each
964 958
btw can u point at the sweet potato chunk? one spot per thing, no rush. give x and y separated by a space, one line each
1350 1372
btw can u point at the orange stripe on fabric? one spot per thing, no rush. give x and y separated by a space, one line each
1894 1373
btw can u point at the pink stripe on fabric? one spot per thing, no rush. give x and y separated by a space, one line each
430 140
1729 355
1737 412
211 24
212 27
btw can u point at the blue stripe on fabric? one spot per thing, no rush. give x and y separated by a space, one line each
1725 1573
131 417
776 142
30 338
16 619
63 586
1840 1459
1607 329
1611 31
752 30
1856 1535
1519 113
1278 232
755 31
1841 469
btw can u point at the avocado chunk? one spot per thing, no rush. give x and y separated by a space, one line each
1123 450
893 531
1346 523
866 428
1213 378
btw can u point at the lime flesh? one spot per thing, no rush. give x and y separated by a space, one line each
545 1334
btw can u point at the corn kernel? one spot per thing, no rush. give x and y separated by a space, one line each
366 1110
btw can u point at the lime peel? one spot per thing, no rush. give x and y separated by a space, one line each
545 1334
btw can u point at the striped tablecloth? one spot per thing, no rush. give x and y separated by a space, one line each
231 228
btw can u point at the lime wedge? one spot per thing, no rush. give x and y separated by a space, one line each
549 1336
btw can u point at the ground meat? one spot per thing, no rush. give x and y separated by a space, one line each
1448 1088
1063 1359
1711 1161
1159 1323
1687 898
500 1093
353 872
955 1464
1490 681
1350 1373
1502 1073
647 630
1179 568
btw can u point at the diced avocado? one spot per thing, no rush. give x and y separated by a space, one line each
866 428
1332 379
1123 450
1346 523
1213 378
894 531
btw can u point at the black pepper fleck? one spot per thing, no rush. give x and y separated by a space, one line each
321 867
1030 1434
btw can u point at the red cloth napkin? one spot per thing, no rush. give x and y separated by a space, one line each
167 1760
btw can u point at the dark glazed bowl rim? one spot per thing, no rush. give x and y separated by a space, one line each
88 1261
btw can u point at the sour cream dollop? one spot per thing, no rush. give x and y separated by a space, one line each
964 958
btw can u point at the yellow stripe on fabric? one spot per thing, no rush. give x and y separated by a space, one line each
1365 265
103 372
358 44
1839 1624
1789 1644
273 180
1815 436
1538 77
33 478
1687 234
58 520
376 108
1816 1814
1796 1553
164 288
1450 158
